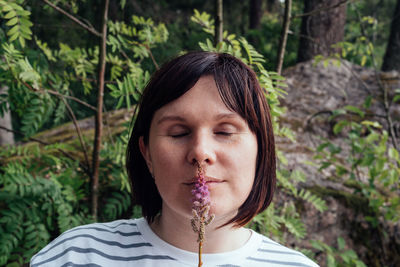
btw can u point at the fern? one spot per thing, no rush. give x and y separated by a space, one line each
138 38
59 113
117 204
46 50
40 189
268 222
37 114
338 256
83 63
291 220
26 224
252 54
316 201
18 21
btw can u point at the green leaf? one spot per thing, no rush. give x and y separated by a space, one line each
341 243
393 153
13 30
7 8
368 101
10 14
13 37
317 245
363 60
355 110
374 124
12 21
339 126
330 261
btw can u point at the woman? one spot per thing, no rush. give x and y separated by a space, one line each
203 110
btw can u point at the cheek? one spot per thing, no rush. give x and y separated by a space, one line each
246 162
165 159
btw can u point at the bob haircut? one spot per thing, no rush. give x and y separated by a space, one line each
240 91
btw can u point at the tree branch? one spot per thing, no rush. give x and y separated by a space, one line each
218 28
83 25
284 34
78 130
148 50
152 57
99 114
69 97
52 92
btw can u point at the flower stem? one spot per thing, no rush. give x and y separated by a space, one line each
200 251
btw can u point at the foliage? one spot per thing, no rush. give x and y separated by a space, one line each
45 189
340 256
36 201
44 192
368 22
17 20
358 52
367 161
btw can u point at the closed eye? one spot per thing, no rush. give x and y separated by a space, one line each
224 133
179 135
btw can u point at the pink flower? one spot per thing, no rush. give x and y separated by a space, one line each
200 205
200 208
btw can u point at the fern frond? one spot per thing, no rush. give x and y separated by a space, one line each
316 201
36 114
292 221
252 55
18 21
116 205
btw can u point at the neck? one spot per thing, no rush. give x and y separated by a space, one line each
177 231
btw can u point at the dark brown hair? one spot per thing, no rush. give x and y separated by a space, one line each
240 91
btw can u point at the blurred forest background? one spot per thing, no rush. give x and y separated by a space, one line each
72 71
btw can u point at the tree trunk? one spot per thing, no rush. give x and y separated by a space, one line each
284 34
6 137
255 14
99 114
322 28
219 33
391 61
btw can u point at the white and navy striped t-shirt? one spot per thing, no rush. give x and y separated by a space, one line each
133 243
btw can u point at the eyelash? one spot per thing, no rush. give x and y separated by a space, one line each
224 133
179 135
218 133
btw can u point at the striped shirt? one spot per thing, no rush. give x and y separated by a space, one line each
133 243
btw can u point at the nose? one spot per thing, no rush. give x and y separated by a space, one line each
201 150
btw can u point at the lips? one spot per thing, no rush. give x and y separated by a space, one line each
209 180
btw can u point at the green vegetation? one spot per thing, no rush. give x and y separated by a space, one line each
52 78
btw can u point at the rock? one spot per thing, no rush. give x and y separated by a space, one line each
314 92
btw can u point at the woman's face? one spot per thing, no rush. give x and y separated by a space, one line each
198 126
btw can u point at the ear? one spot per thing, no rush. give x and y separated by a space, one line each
146 154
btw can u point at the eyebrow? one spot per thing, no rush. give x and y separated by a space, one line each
170 118
179 118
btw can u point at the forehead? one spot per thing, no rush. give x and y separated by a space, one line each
202 100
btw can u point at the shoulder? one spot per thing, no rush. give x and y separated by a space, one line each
83 243
274 254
